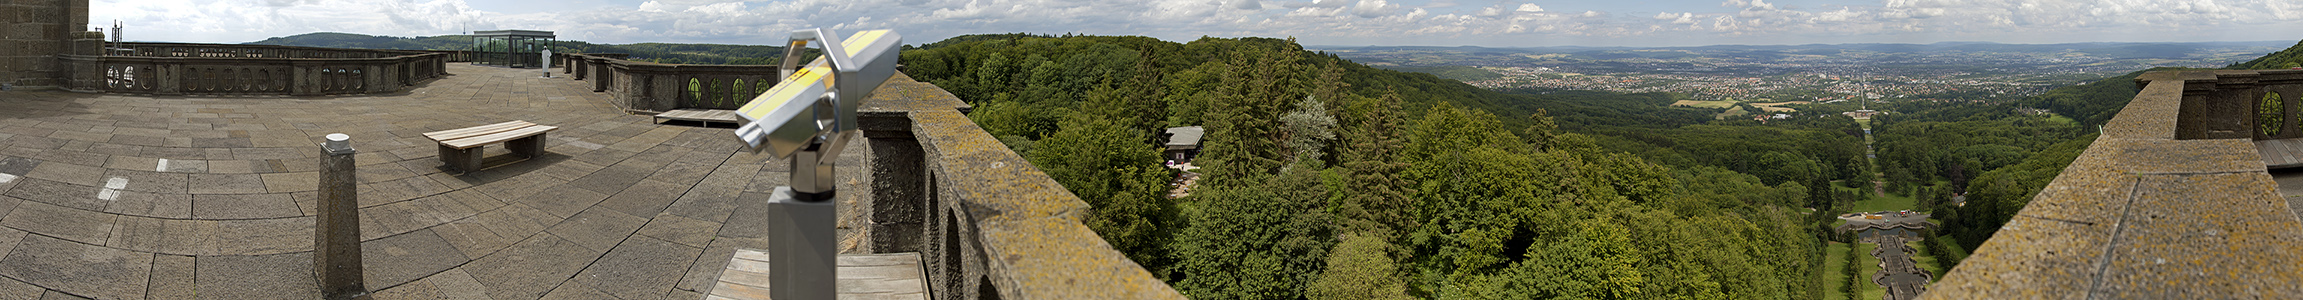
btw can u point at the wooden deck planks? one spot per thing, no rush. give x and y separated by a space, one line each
2284 153
862 276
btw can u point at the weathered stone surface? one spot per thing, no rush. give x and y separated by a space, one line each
598 229
147 181
79 268
135 233
72 224
68 173
715 197
244 206
226 184
672 186
291 182
173 277
530 268
2146 212
402 258
393 191
682 230
264 236
18 166
612 179
638 268
564 201
58 193
646 198
277 276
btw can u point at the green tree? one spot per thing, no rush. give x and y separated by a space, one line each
1241 144
1375 192
1256 242
1361 267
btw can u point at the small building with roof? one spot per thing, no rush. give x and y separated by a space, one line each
1183 143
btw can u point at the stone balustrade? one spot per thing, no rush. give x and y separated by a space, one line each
2171 201
141 49
987 223
235 70
652 87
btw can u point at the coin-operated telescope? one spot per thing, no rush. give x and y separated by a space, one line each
806 119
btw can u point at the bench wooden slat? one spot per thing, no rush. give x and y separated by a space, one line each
452 134
497 137
699 115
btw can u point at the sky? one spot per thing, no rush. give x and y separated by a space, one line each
1513 23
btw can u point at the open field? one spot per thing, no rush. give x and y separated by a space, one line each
1730 113
1704 104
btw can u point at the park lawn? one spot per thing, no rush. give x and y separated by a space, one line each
1835 258
1926 260
2060 119
1879 203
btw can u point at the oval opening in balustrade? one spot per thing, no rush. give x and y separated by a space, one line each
2270 115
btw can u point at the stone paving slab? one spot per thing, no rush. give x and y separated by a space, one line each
128 197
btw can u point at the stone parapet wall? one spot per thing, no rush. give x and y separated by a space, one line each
205 69
988 224
141 49
2171 202
652 87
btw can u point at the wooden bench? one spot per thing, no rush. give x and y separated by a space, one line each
706 116
460 148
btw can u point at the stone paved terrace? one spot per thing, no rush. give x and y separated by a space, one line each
132 197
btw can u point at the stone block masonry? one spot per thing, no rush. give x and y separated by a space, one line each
32 34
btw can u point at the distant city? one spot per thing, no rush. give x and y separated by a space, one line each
1887 72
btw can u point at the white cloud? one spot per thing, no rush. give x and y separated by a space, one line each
1316 21
1374 8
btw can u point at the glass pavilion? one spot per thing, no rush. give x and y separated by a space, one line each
510 48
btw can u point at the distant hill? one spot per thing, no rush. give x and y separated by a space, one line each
2290 58
2121 50
656 52
349 40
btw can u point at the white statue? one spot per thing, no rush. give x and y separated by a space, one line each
547 63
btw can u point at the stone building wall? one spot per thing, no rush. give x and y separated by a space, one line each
33 33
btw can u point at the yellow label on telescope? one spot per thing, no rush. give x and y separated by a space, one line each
855 43
759 107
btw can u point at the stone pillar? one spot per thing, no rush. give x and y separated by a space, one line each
372 79
605 73
664 92
580 67
336 241
300 78
899 186
170 77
